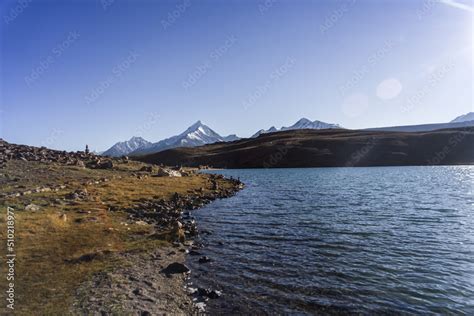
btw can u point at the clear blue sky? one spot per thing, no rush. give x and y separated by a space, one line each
97 72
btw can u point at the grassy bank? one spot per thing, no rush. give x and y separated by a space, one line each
61 242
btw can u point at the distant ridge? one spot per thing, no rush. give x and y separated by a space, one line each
302 123
423 127
465 120
329 148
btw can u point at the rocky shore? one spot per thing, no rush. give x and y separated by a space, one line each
156 282
119 231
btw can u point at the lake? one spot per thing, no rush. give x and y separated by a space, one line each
341 240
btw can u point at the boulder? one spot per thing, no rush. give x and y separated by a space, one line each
165 172
80 164
108 164
147 168
175 268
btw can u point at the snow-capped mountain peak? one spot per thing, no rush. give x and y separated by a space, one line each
126 147
302 123
193 127
195 135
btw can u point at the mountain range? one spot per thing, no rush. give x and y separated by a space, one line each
303 123
197 134
126 147
200 134
328 148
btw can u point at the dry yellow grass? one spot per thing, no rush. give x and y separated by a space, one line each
49 240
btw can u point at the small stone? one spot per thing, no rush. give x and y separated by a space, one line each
214 294
203 292
149 283
137 291
32 207
72 196
191 290
201 306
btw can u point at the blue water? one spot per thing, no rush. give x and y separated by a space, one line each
392 240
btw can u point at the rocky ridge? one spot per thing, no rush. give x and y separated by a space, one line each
10 151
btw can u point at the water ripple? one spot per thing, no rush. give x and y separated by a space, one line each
341 241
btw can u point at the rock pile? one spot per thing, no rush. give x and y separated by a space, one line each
42 154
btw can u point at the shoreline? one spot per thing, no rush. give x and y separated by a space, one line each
97 235
146 279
